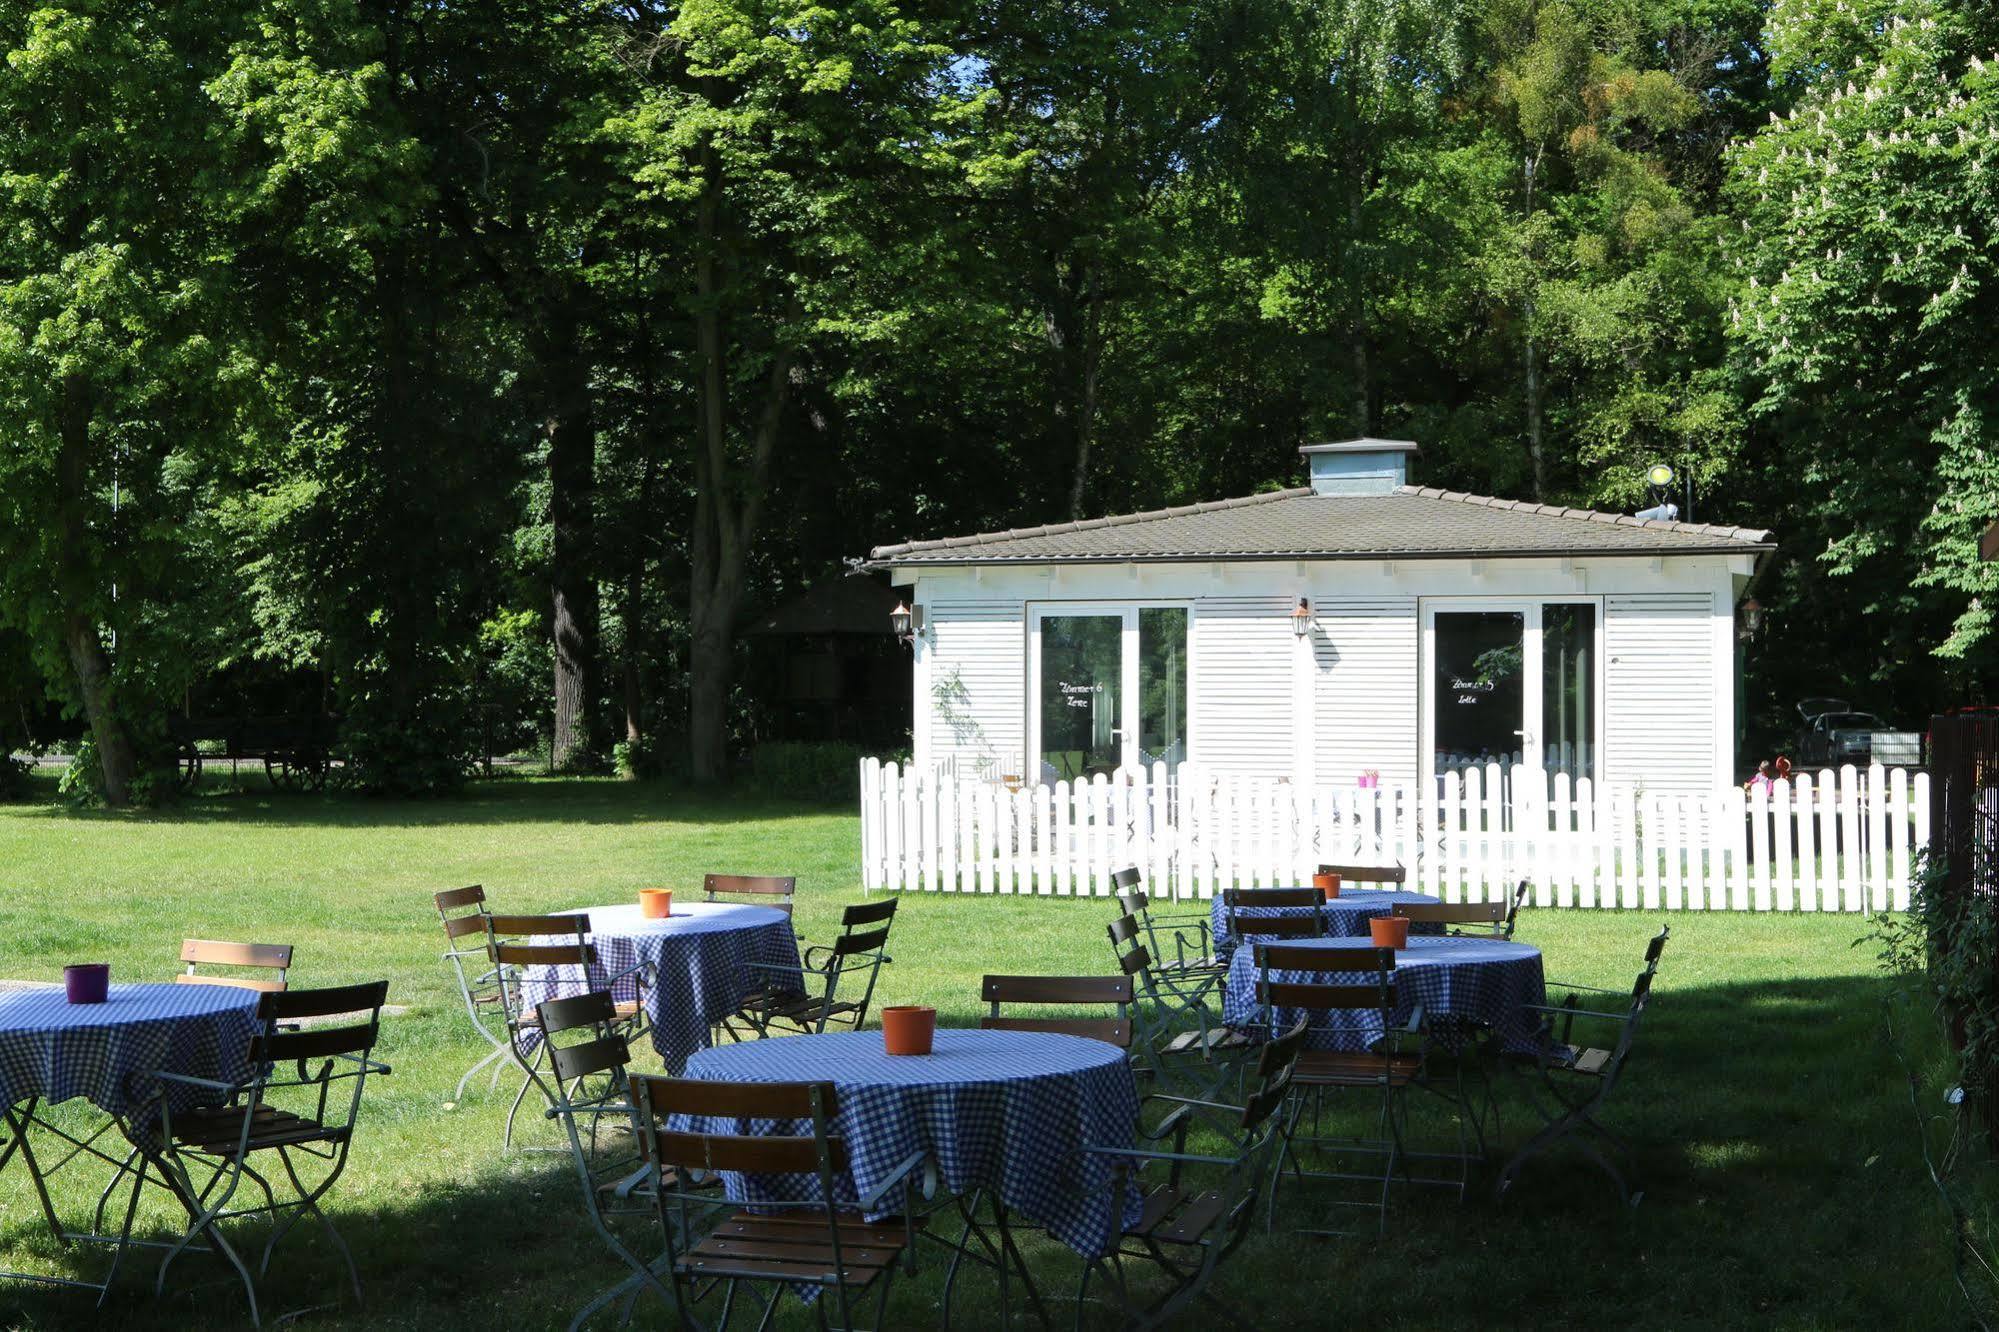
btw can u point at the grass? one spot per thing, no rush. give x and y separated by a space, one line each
1784 1182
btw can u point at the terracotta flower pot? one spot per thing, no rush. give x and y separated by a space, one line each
655 903
87 982
1327 884
1389 931
908 1029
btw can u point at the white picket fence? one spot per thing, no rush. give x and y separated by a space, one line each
1837 841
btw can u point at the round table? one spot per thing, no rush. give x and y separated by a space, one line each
1472 980
1008 1112
53 1050
1346 915
701 958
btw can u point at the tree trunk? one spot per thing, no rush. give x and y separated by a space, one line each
116 756
574 604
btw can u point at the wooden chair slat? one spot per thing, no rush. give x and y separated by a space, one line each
1057 989
323 1002
1452 913
1300 957
818 1253
1273 897
732 1100
1280 927
457 927
598 1056
1310 994
769 885
763 1155
571 923
216 952
545 955
318 1043
1113 1031
1367 873
234 982
864 941
454 898
579 1010
866 913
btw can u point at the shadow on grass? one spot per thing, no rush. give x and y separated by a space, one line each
513 800
1771 1124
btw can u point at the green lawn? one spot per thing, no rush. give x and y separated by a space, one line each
1784 1181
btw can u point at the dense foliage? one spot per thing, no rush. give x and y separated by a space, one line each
472 371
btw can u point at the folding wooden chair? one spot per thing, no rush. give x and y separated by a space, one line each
776 1246
1194 1060
808 998
1304 918
296 1118
562 943
588 1063
1184 959
198 953
1205 1207
1063 991
1343 982
1574 1081
463 912
752 890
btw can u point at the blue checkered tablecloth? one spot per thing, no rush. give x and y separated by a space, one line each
1483 981
107 1052
1007 1111
1346 915
699 954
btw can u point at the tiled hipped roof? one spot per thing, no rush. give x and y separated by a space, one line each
1413 522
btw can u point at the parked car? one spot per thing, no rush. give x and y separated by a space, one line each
1833 733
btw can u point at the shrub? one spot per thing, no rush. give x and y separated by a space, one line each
819 771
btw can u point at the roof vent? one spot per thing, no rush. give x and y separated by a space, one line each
1359 466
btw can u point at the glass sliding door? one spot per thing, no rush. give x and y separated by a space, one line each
1109 688
1162 685
1082 693
1513 682
1568 688
1478 713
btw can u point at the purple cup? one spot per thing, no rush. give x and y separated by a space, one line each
87 982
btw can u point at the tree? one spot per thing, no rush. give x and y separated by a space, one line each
1866 328
114 388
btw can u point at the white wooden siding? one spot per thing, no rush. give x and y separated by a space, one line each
1241 712
1365 689
1662 698
976 710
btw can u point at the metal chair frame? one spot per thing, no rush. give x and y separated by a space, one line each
1575 1082
685 1275
515 943
1391 1072
1187 974
1246 928
1184 1233
784 1002
1193 1061
482 994
239 1121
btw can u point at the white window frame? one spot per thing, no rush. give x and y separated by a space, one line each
1532 721
1128 708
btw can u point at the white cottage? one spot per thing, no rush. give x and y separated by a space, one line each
1357 625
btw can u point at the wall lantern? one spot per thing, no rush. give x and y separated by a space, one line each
1301 619
905 622
1751 616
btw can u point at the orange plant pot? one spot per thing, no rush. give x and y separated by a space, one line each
1327 884
655 903
908 1029
1389 931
